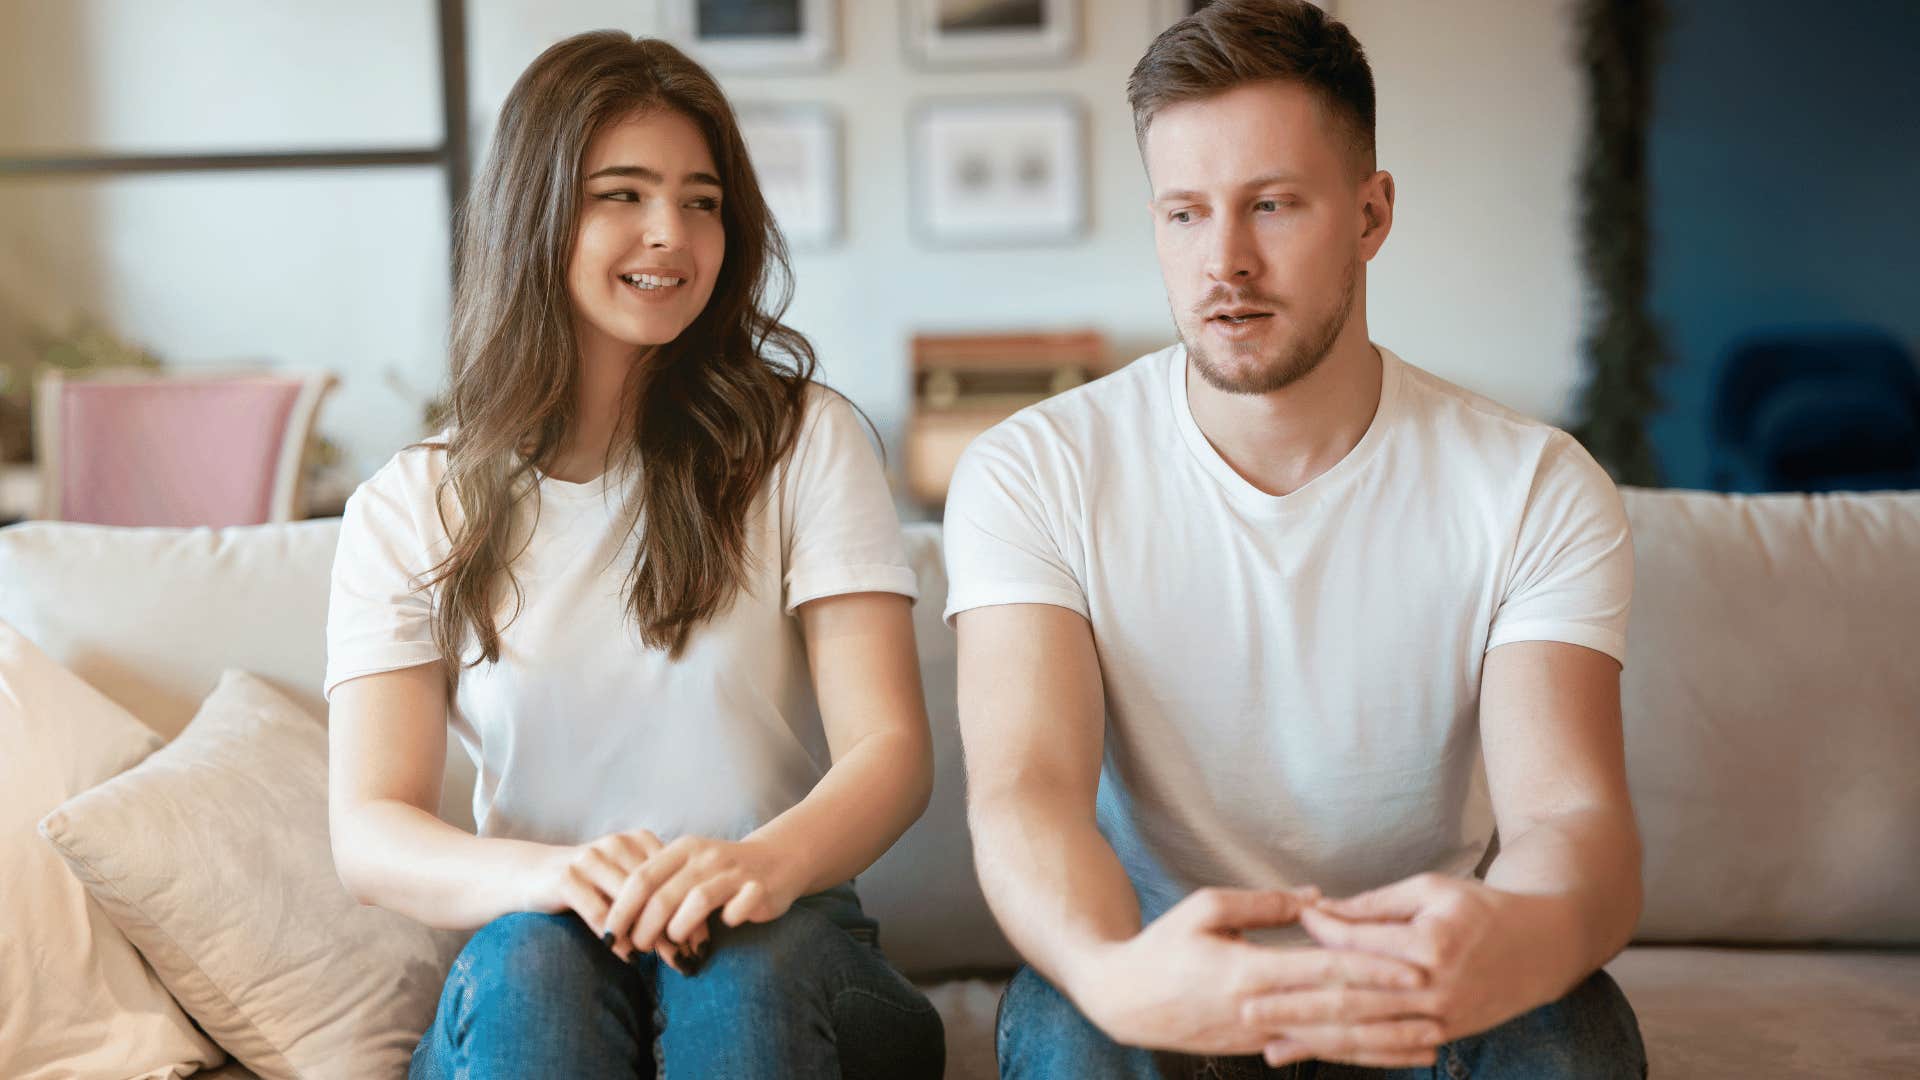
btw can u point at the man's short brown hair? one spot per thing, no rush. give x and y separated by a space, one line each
1231 42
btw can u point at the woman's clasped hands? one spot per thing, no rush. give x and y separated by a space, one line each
642 895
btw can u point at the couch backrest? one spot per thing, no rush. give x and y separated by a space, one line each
1772 704
1772 699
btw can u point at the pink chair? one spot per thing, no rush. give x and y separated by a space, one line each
139 448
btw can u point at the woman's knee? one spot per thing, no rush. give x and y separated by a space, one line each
527 958
799 989
758 965
537 993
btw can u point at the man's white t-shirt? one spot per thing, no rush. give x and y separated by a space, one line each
1292 682
579 729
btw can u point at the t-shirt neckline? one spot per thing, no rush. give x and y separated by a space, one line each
1236 486
569 491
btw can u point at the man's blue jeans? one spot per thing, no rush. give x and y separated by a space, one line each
1590 1033
808 995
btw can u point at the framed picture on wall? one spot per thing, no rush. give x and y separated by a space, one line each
985 33
796 152
999 172
1168 12
756 35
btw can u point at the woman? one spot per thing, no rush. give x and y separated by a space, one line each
598 568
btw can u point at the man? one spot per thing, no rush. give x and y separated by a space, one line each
1273 617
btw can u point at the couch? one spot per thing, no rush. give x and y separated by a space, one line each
1772 702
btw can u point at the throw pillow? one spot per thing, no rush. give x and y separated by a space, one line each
212 856
78 1000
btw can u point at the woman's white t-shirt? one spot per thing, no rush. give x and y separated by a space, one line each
579 729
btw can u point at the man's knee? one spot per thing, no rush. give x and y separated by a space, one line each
1040 1033
1589 1033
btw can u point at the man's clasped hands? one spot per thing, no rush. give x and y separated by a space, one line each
1391 975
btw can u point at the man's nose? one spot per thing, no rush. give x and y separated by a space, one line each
1233 256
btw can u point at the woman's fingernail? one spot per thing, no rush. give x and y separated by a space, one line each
608 938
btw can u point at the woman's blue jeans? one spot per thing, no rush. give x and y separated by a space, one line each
807 995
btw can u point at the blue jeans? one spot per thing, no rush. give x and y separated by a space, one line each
1590 1033
807 995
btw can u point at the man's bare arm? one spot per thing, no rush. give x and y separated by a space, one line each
1032 719
1556 767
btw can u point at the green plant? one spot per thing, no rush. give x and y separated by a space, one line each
1623 346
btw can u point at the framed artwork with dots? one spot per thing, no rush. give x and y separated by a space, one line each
999 172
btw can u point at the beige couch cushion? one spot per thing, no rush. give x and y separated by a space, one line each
75 998
1772 702
1736 1014
212 857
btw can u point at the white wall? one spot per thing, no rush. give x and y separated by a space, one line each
1479 120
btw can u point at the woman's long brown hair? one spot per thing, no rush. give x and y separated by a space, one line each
713 412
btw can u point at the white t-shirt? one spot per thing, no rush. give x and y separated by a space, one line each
579 729
1292 682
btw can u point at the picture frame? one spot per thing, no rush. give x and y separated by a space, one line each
990 33
756 36
1168 12
797 151
999 172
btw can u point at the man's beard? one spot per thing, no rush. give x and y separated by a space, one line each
1292 361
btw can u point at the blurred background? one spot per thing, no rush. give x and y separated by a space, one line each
1683 229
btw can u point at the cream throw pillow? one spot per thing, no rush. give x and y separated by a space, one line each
75 998
212 856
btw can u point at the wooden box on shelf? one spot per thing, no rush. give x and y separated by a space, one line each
964 384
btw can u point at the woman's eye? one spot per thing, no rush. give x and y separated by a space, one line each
619 196
1181 217
705 204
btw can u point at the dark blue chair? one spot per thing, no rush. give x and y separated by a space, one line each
1817 410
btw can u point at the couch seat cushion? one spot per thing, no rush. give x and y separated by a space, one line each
1708 1014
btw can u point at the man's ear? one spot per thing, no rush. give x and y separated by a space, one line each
1376 209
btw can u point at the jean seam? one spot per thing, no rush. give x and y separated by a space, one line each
918 1008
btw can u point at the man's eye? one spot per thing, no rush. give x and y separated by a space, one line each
1181 217
1267 205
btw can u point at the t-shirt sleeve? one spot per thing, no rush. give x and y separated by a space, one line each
376 619
999 546
842 534
1572 577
